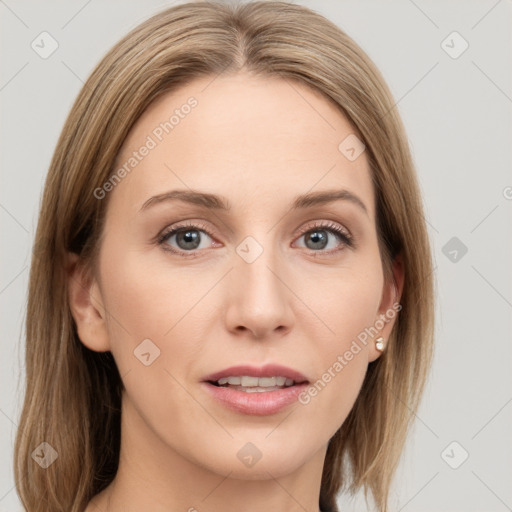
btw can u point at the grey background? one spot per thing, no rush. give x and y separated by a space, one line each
457 112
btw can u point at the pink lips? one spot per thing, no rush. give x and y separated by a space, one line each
269 370
258 403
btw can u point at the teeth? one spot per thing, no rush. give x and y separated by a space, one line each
235 381
267 381
257 389
249 381
256 382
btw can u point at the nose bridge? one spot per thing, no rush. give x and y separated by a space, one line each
259 299
257 265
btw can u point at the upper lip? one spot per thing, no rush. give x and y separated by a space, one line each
269 370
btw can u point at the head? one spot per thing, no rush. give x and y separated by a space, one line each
260 115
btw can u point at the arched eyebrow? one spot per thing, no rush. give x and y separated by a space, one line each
218 202
204 199
327 196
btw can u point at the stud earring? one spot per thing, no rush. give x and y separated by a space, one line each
379 344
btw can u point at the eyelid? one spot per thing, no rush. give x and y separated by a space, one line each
326 224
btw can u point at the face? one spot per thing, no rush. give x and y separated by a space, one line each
218 251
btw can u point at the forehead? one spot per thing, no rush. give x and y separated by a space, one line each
239 135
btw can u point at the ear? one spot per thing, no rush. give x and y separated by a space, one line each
389 307
86 306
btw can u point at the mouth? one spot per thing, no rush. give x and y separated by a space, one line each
256 391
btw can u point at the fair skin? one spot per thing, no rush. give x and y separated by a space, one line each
259 143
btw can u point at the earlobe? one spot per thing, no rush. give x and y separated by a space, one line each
389 309
86 306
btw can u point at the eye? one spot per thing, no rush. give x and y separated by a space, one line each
188 237
326 237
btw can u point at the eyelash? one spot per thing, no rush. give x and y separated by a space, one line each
346 238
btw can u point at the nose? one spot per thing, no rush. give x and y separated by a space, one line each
258 297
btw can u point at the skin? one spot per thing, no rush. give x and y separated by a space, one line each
259 142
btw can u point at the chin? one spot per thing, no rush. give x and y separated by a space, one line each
265 463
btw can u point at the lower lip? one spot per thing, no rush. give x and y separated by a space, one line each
257 404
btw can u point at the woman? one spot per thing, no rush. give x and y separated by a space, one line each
231 304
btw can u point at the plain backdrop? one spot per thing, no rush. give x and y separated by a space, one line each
448 64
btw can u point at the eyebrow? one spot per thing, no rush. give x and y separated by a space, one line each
217 202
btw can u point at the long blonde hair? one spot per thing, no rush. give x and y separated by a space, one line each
73 395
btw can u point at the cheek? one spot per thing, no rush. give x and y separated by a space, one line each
346 300
148 301
160 303
347 305
341 362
